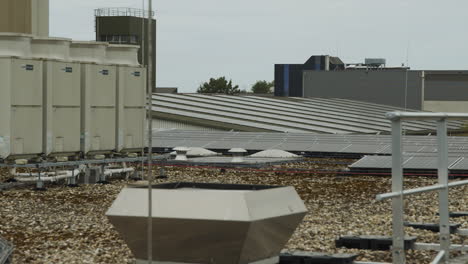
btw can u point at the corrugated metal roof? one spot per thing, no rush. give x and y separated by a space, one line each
280 114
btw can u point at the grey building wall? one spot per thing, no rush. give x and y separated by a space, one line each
446 86
375 86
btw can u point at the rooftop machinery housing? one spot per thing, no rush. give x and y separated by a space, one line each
374 82
65 98
126 26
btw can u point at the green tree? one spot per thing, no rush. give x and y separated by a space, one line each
263 87
219 85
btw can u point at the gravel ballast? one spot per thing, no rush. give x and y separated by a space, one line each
68 225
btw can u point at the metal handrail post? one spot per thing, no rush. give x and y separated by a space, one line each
150 129
439 257
398 249
444 218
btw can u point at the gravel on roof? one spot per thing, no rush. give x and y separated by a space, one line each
68 225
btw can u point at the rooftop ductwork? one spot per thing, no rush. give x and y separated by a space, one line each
208 223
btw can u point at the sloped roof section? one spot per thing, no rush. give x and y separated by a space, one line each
279 114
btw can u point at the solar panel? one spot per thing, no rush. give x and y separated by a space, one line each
305 142
409 162
460 164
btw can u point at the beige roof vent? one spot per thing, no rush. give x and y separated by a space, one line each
208 223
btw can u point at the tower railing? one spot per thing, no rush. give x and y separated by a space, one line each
121 11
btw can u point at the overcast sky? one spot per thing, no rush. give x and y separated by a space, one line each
243 39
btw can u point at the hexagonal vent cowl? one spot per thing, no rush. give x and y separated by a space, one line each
209 223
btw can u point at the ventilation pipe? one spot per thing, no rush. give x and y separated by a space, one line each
181 153
44 176
237 154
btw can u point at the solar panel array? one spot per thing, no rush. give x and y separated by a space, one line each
409 162
304 142
278 114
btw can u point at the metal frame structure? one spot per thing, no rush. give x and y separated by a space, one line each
73 163
398 192
42 167
151 52
6 250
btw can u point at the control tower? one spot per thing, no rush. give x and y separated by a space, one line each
126 26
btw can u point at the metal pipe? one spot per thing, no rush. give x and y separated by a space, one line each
398 250
110 172
150 130
439 257
65 175
142 50
436 247
422 115
463 232
436 187
444 214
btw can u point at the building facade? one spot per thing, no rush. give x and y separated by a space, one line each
399 87
288 77
437 91
127 26
374 82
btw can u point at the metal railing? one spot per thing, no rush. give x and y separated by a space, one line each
398 192
121 11
6 249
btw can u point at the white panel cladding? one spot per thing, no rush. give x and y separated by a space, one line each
131 95
88 51
122 54
62 92
5 105
98 107
51 48
21 107
14 44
